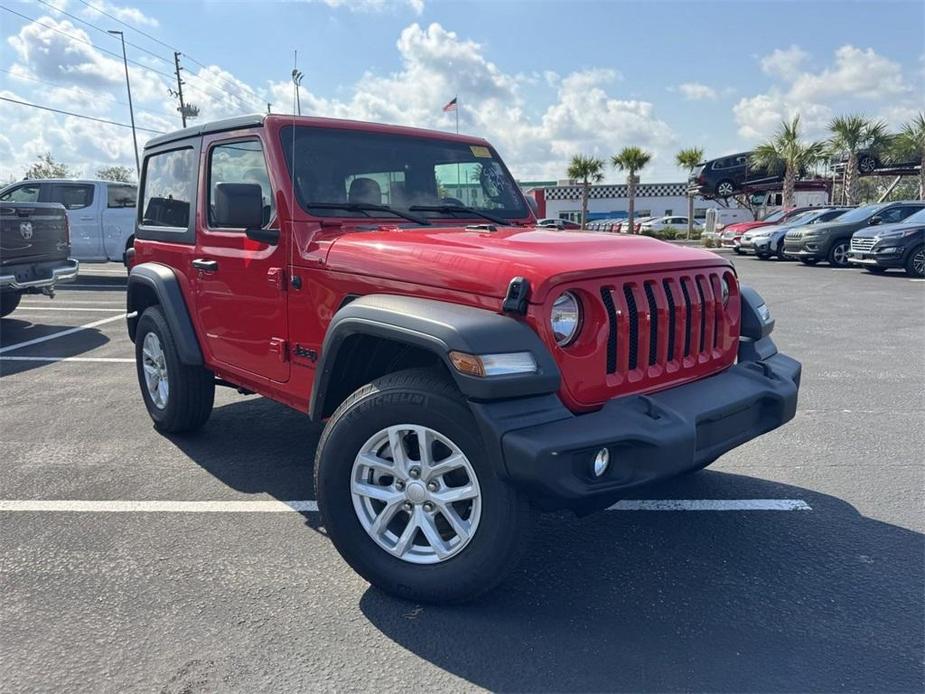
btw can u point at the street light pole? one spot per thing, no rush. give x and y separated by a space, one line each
131 111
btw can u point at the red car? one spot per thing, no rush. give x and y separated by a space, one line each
732 234
467 366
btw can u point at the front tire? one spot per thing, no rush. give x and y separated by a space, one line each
178 396
915 263
725 188
809 261
430 523
874 270
8 304
838 254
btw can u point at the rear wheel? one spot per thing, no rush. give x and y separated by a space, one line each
725 188
8 303
915 263
178 396
838 254
408 495
867 164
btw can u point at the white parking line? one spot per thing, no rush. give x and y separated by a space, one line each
69 287
100 360
61 333
75 302
301 506
65 308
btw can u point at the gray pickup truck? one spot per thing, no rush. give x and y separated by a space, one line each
35 251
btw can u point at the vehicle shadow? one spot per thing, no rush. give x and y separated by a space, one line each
825 599
14 330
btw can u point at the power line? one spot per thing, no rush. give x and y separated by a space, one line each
88 43
243 88
78 115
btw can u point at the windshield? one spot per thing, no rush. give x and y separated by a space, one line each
775 216
355 167
917 218
801 218
860 214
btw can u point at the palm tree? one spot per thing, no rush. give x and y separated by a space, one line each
912 136
851 134
787 151
631 160
588 170
688 159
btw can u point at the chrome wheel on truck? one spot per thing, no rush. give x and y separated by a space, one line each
154 365
410 495
416 494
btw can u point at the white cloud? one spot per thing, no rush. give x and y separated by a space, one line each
857 80
694 91
784 63
130 15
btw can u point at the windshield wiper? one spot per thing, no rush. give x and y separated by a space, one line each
447 209
366 208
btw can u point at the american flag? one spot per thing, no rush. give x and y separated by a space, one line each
451 106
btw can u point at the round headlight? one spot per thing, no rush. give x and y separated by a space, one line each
565 318
725 287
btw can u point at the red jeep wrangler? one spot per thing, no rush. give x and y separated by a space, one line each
468 366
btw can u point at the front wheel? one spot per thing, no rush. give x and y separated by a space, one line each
809 261
178 396
874 270
8 303
915 263
408 495
725 188
838 254
762 255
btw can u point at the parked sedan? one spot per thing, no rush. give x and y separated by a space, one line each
832 241
732 234
557 224
885 246
768 241
668 222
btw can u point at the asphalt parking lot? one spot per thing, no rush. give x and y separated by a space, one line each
822 592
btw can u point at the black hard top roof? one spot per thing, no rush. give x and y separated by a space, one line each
216 126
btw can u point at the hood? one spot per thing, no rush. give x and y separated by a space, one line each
484 262
767 229
742 227
885 229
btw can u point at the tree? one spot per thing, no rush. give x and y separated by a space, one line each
121 174
46 167
787 151
851 134
689 159
912 136
588 170
631 160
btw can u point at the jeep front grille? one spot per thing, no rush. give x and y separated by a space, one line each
863 244
675 321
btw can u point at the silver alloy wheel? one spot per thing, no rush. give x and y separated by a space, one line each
840 254
154 365
416 494
918 262
724 189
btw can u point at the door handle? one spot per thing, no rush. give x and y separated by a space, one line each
205 265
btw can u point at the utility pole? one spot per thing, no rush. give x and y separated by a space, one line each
182 109
131 111
269 106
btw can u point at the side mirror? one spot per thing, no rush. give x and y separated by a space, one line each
238 205
874 221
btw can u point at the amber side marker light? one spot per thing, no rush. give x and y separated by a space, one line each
487 365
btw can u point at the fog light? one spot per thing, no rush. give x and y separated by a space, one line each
601 462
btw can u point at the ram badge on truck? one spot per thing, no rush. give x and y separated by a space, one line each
468 366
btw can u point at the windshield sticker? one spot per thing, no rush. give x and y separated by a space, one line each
480 151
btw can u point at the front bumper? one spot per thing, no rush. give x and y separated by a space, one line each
36 277
812 247
761 244
875 258
649 437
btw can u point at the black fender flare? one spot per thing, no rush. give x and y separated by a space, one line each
440 327
163 282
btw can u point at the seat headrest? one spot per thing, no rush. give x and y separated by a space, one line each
365 190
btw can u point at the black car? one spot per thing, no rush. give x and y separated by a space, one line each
885 246
728 175
831 242
869 160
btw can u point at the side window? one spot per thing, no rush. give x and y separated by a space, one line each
240 162
904 211
121 195
25 193
169 185
74 196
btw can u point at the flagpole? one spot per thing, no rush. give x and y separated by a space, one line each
458 182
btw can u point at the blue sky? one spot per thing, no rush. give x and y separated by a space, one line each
542 80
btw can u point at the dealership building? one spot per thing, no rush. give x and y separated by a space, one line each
562 200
